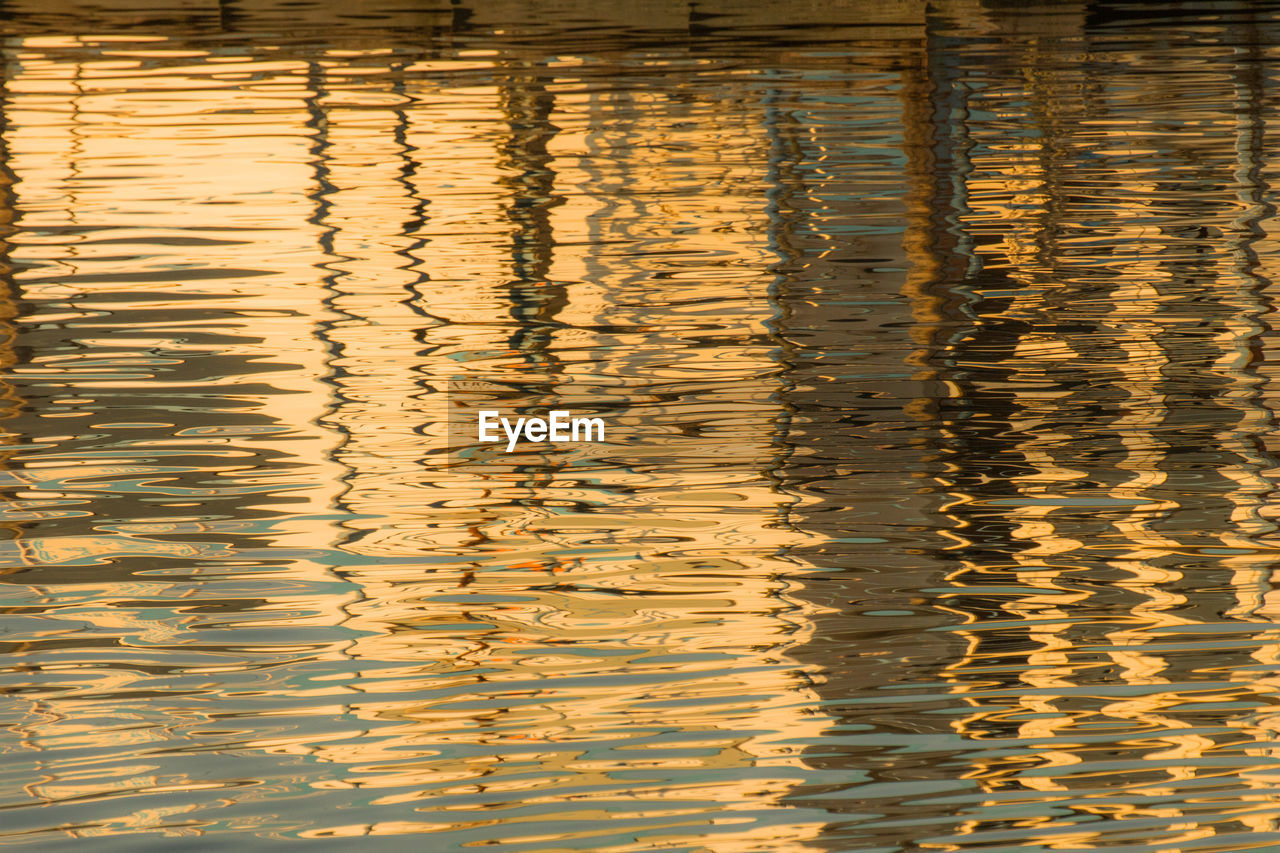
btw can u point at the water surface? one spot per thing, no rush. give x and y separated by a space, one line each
959 320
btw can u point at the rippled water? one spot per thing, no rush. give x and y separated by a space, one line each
954 323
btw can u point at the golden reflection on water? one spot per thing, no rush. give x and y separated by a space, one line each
974 547
359 230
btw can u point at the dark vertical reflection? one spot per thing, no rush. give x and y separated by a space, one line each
13 509
876 445
10 400
528 106
1254 520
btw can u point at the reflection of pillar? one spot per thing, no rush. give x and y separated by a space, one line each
1253 521
868 453
528 105
323 194
37 713
535 300
10 401
1016 462
1254 576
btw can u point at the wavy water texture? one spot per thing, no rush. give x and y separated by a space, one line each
938 511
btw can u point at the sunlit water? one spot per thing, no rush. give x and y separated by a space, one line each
960 535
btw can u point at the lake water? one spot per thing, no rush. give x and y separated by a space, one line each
941 339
